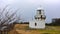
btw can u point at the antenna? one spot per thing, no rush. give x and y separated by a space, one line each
41 3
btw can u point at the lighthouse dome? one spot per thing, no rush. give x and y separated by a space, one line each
40 8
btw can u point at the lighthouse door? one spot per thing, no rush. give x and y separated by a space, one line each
35 24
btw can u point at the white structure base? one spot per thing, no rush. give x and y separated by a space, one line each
37 24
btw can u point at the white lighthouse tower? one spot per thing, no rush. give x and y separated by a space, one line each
39 19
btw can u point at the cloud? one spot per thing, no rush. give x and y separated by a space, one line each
51 1
28 7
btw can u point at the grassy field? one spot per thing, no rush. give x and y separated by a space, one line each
24 29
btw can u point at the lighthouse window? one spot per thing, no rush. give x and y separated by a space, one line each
35 18
41 16
39 11
35 24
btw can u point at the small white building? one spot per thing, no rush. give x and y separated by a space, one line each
39 19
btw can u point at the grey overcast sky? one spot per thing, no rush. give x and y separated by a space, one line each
28 8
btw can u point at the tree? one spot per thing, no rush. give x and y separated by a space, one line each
7 18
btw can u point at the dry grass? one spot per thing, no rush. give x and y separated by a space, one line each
24 29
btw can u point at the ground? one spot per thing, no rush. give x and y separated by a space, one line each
24 29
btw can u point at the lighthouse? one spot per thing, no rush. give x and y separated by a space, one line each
39 19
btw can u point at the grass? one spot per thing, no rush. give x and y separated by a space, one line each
24 29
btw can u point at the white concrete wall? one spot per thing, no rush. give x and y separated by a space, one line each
40 24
